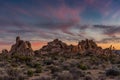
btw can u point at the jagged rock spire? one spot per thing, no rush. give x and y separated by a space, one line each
17 39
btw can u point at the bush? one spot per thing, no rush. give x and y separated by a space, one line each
38 70
14 64
82 66
12 72
44 77
54 69
65 75
112 72
22 58
88 78
30 73
37 65
48 62
33 65
77 73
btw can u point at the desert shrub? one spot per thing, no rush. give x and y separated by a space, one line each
12 78
12 72
76 73
38 70
88 78
30 64
21 58
13 64
61 59
44 77
4 78
112 72
37 65
33 64
112 60
118 62
4 57
65 66
54 57
30 73
2 64
65 75
48 62
82 66
54 69
103 57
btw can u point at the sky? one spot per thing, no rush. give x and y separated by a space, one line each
40 21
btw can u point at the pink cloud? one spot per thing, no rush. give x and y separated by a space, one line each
65 12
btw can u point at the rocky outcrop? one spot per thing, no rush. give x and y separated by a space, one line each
21 47
88 45
56 46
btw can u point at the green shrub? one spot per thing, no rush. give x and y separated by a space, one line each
14 64
30 73
38 70
112 72
37 65
54 69
13 72
21 58
48 62
82 66
33 65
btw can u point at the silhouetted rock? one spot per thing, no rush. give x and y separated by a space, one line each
56 46
21 47
86 46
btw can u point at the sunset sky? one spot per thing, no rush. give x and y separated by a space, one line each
40 21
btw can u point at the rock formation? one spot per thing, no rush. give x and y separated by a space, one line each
84 46
87 45
21 47
56 46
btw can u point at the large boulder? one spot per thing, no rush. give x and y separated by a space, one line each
21 47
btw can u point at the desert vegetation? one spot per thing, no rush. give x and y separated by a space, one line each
58 61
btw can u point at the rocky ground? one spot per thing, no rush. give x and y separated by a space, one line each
58 61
